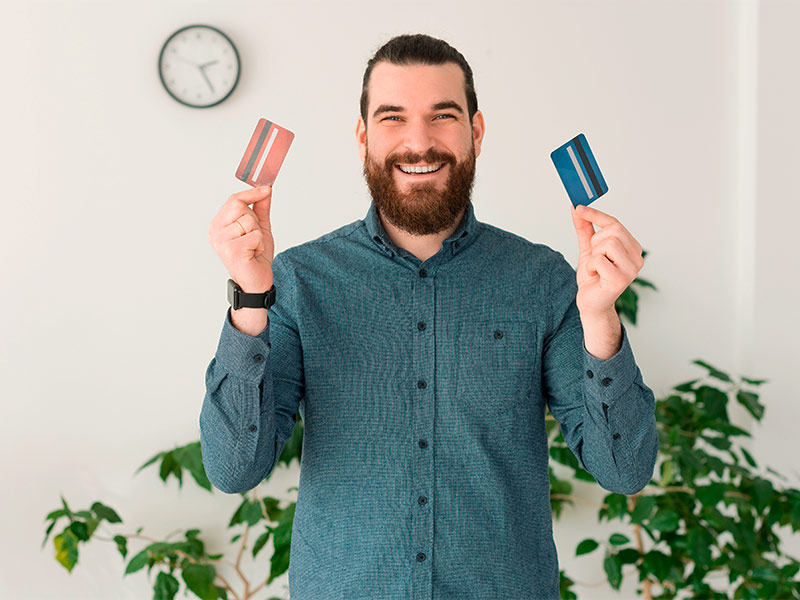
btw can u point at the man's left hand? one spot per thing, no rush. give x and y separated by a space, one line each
608 260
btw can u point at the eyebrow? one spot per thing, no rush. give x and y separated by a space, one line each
383 108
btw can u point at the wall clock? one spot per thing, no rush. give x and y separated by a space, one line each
199 66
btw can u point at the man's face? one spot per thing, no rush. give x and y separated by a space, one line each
417 117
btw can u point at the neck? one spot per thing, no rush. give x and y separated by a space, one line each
421 246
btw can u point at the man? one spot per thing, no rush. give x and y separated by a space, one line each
422 347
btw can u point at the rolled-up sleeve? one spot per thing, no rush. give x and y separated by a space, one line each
606 412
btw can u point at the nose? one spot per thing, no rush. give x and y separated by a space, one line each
419 136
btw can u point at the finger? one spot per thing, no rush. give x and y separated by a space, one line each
243 246
615 253
585 231
253 194
608 272
224 224
239 202
248 222
597 217
618 231
628 245
261 210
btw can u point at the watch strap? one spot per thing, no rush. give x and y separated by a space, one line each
242 299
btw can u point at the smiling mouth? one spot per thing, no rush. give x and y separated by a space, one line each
418 170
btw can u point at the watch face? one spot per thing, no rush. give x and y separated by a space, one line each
199 66
232 293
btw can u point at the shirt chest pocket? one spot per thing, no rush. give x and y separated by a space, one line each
495 362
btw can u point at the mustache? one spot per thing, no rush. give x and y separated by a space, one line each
431 156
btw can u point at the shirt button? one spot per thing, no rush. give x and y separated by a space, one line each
616 436
589 374
252 428
258 357
422 500
421 325
458 244
420 556
423 444
498 334
421 384
423 273
269 344
606 382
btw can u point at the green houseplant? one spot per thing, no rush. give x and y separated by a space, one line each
682 511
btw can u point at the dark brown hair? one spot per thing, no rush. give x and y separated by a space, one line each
420 49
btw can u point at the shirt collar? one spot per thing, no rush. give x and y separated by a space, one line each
464 234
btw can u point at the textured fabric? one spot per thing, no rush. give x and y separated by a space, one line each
423 387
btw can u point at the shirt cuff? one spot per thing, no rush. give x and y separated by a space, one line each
608 379
243 355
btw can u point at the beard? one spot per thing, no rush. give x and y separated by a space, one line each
423 209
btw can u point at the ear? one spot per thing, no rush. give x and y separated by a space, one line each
361 138
478 128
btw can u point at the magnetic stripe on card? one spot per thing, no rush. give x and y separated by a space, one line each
585 162
579 170
262 136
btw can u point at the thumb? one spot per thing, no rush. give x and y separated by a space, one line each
262 208
585 231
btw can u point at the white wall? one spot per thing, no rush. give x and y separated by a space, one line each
113 300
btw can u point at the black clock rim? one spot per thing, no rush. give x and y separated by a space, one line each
161 56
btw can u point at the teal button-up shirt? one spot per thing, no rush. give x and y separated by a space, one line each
423 387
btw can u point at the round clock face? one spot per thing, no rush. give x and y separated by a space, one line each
199 66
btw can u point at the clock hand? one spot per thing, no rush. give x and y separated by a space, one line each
206 78
209 63
179 57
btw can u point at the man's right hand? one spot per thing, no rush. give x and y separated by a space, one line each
247 251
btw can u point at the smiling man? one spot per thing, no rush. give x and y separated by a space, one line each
422 348
419 149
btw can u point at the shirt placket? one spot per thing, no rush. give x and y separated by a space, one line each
423 302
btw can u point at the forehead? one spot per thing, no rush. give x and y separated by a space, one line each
416 86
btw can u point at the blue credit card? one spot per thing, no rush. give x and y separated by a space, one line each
578 170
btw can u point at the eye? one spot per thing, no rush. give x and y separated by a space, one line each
391 117
444 115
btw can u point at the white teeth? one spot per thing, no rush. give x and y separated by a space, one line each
427 169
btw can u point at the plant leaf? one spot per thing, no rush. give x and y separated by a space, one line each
665 520
643 509
200 580
166 587
613 569
617 539
586 546
713 371
750 401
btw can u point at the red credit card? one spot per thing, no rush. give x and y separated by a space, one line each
265 153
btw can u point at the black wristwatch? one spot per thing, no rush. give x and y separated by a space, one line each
239 299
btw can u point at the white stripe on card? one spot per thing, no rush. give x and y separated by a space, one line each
263 160
578 168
